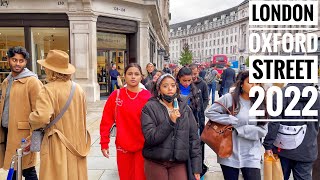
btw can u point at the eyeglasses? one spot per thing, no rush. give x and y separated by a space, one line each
18 60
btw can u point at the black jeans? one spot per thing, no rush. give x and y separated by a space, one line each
29 174
230 173
301 170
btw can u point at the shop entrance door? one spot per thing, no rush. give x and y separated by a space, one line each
105 60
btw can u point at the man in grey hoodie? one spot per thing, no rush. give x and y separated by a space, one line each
19 92
300 159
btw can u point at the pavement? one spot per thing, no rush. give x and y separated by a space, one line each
101 168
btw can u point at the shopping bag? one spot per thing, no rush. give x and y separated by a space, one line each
120 84
272 169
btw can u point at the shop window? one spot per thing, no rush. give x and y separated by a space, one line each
9 37
45 39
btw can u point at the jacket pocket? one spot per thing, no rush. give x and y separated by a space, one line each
23 125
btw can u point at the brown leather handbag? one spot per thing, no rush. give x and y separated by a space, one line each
218 136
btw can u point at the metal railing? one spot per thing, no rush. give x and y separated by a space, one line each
17 158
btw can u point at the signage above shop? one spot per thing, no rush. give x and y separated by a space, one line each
111 41
119 9
4 3
34 4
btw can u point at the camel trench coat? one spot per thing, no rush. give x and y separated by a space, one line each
22 98
66 144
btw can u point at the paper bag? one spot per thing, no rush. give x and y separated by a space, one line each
119 81
272 169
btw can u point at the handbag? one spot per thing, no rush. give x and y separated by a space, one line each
219 136
113 130
37 135
272 169
120 84
290 137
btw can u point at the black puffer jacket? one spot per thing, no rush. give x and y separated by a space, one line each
168 141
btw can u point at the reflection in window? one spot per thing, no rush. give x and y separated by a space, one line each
45 39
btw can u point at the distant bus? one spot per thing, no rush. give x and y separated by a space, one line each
220 60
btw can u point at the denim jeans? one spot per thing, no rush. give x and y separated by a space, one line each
301 170
114 82
212 87
230 173
29 174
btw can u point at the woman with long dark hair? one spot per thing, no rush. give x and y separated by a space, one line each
195 100
246 135
171 134
126 112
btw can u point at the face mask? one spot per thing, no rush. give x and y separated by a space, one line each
168 98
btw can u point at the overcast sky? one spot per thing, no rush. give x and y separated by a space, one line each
183 10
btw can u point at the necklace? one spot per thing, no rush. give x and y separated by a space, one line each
131 97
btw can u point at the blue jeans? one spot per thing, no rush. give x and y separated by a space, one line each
212 87
114 82
225 90
301 170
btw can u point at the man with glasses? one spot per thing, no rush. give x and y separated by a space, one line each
19 92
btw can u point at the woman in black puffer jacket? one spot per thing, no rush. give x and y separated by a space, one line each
171 135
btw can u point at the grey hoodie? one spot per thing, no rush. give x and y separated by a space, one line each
245 137
5 115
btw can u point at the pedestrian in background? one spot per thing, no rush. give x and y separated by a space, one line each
114 75
246 155
151 71
210 78
190 91
200 84
228 78
202 72
149 86
166 69
19 92
66 143
125 111
298 158
171 134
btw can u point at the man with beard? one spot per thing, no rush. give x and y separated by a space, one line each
19 92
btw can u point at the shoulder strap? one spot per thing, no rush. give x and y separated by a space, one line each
73 88
117 100
225 107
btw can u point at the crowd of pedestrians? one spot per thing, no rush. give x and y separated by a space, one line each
158 119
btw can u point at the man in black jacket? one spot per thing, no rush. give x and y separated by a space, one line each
299 159
228 78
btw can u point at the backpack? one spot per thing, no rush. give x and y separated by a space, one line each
209 78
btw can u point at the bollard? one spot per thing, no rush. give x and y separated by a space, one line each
19 164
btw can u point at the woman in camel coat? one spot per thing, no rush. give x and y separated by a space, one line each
66 143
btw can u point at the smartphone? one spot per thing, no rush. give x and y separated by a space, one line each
175 104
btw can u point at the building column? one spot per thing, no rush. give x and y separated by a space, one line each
143 49
83 52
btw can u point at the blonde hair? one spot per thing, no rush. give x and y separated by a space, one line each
53 76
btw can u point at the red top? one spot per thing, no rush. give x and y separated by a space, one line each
129 132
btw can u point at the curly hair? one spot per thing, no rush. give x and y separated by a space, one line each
54 76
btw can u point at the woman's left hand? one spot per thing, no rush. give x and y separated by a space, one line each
197 176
